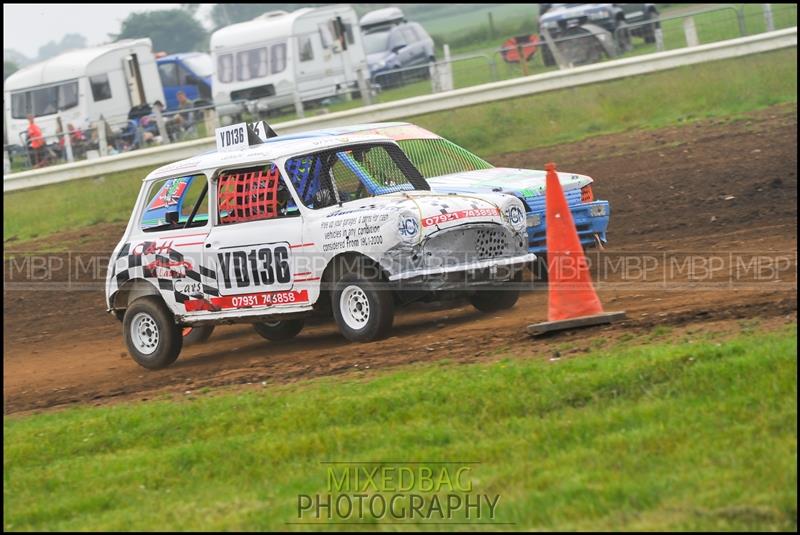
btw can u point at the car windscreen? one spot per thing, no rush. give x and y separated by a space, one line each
438 156
376 42
352 172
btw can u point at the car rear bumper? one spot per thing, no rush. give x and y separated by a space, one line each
591 222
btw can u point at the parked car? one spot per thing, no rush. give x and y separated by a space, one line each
584 33
391 43
270 233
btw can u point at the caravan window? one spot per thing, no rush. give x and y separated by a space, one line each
278 58
252 64
19 105
348 31
225 68
325 35
45 100
67 96
101 89
306 49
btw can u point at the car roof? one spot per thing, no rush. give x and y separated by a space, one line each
270 150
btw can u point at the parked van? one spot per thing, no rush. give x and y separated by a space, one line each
81 85
191 73
314 51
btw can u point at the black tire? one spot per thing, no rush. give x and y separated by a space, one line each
547 57
580 47
376 319
650 29
623 36
495 298
196 335
279 330
154 322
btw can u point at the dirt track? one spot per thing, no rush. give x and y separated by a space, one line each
710 187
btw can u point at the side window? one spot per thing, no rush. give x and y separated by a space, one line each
101 89
325 35
348 31
409 35
326 178
253 194
184 76
171 203
278 57
225 68
306 48
252 64
168 73
20 105
308 174
67 95
397 38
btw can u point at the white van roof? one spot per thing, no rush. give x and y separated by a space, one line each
66 66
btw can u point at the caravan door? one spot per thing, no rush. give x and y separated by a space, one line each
323 59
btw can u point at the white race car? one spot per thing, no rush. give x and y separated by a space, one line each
266 234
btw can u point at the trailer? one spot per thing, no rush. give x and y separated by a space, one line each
80 86
312 52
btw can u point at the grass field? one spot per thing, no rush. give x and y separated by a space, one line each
698 433
719 89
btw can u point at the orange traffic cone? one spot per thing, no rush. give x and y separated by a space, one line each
572 299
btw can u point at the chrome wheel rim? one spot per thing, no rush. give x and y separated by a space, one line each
144 333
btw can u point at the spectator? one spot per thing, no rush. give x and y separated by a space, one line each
181 122
36 142
77 140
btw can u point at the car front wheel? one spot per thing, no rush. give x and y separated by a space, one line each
153 338
363 311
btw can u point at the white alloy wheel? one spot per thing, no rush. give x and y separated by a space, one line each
144 333
354 307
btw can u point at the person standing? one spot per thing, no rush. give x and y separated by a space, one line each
35 141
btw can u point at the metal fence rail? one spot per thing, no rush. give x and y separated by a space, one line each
447 100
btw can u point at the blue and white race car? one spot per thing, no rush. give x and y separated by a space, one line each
453 169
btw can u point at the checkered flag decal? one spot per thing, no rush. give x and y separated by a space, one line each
149 266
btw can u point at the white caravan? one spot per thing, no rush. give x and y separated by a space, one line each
81 85
313 51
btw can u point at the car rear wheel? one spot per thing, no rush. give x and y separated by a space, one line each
363 311
196 335
278 331
153 338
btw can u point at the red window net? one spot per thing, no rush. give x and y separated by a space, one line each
248 195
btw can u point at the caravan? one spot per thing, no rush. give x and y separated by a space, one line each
315 52
79 86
